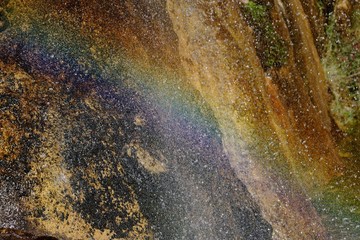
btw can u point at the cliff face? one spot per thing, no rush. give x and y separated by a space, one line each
262 104
177 119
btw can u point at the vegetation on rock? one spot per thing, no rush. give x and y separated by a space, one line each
270 47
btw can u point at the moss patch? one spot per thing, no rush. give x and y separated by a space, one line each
270 47
342 64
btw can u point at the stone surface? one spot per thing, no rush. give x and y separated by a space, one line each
177 120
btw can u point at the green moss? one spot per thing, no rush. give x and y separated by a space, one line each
271 48
258 12
342 64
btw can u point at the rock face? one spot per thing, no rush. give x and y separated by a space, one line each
173 120
91 160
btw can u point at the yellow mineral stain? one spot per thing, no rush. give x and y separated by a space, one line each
103 235
146 160
139 120
47 209
91 104
10 136
52 187
11 132
92 177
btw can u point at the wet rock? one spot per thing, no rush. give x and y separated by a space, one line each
4 22
166 120
13 234
3 3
